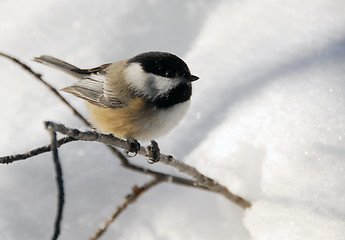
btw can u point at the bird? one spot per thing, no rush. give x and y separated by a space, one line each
139 98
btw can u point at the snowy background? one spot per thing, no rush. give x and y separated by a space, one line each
267 118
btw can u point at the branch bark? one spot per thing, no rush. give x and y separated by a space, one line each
35 152
130 198
59 183
50 87
110 139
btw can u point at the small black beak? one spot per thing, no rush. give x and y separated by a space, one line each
193 78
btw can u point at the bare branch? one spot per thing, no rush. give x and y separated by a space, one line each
132 197
110 139
51 88
166 177
59 183
124 162
35 152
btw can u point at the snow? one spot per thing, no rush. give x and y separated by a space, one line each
267 118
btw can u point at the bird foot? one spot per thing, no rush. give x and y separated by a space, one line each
134 147
152 152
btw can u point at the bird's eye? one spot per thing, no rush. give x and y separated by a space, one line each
169 74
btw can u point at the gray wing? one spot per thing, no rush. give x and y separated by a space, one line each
91 84
93 89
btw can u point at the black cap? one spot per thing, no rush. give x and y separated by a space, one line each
164 64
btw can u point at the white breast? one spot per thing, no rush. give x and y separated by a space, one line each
163 121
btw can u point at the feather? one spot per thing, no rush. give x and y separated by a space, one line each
91 85
92 89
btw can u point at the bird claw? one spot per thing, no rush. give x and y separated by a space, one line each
134 147
153 152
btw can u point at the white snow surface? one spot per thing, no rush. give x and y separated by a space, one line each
267 118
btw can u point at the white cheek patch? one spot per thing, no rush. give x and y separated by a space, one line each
164 84
136 75
150 84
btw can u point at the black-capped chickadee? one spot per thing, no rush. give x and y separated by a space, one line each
140 98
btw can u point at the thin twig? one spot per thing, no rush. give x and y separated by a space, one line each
124 162
35 152
163 176
110 139
167 177
132 197
51 88
59 183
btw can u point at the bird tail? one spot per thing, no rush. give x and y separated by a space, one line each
61 65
